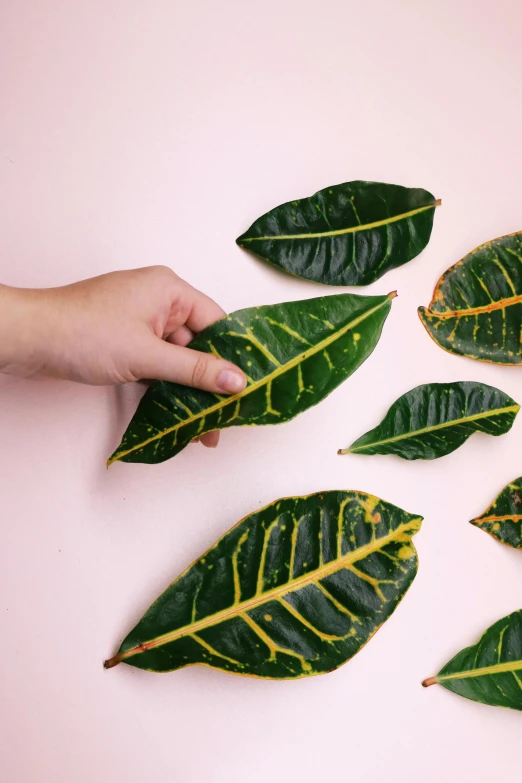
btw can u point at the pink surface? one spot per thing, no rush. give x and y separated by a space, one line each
135 133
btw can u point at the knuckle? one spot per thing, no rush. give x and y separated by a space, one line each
200 370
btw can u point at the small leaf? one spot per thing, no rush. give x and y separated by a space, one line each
503 518
349 234
491 671
293 354
434 419
476 310
294 589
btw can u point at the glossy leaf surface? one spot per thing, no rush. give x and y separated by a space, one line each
434 419
490 671
503 518
294 589
293 354
349 234
476 310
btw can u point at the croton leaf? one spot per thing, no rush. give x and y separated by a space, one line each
503 518
349 234
294 589
490 671
434 419
476 310
293 354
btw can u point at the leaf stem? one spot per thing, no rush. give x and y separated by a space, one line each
112 662
429 681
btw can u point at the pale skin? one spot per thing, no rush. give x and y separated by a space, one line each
112 329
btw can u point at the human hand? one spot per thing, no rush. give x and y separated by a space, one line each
116 328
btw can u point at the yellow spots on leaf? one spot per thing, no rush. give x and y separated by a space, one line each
356 337
405 552
268 618
249 347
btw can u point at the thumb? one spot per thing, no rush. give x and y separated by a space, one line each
166 362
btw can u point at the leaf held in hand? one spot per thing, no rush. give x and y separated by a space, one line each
503 518
294 589
476 310
293 354
491 671
434 419
349 234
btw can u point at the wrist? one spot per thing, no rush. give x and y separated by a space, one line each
23 326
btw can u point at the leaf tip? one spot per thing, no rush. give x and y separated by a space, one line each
392 294
343 451
438 202
429 681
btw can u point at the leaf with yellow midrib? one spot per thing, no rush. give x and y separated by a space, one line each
491 670
348 234
503 518
293 354
294 589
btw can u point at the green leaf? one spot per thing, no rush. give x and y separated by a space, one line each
349 234
490 671
294 589
476 310
293 354
503 518
434 419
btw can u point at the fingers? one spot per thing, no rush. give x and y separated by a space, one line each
168 362
204 310
181 336
210 439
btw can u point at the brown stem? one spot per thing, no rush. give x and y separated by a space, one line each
438 202
392 294
112 662
429 681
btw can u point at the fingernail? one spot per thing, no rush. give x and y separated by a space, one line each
231 381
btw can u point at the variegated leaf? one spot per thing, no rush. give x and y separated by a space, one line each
293 354
503 518
294 589
476 310
490 671
349 234
434 419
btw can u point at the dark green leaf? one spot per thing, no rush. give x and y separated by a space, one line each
293 354
503 518
349 234
433 420
490 671
292 590
476 310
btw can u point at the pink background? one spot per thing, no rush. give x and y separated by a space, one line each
137 133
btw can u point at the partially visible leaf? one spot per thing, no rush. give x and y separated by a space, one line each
293 354
434 419
490 671
476 310
349 234
294 589
503 518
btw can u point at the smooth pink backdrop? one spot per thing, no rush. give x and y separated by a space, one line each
137 133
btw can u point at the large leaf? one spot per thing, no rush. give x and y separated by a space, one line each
476 310
349 234
292 590
293 354
503 518
490 671
435 419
